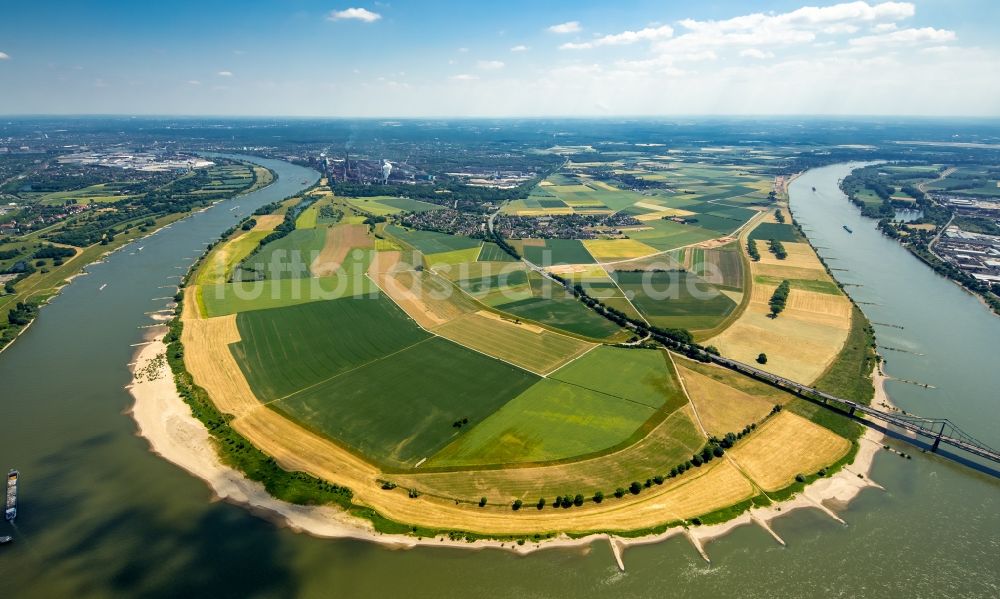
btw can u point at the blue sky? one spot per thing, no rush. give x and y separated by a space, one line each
515 58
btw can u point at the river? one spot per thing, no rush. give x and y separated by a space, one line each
100 515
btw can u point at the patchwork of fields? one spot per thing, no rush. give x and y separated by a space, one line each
443 365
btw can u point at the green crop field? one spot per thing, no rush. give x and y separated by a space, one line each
491 252
804 284
562 313
233 298
550 421
506 278
643 376
776 231
676 299
288 257
558 251
665 234
430 242
284 350
401 409
452 258
552 305
408 205
308 218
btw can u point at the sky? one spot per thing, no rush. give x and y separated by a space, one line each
516 58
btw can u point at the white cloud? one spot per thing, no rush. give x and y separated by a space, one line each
884 27
519 48
840 29
567 27
799 26
225 73
490 65
624 38
354 14
464 77
905 37
194 82
756 53
4 56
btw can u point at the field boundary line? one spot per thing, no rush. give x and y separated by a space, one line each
440 336
561 366
340 374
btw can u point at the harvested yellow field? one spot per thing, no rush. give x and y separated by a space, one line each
700 491
787 445
339 241
510 320
721 408
578 271
789 272
800 255
606 250
212 365
429 300
297 449
799 344
267 222
804 339
656 207
530 347
661 261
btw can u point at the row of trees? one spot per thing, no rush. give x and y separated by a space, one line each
778 299
715 448
778 249
752 250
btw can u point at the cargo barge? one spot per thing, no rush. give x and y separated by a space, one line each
11 509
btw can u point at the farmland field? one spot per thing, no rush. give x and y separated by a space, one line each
230 298
787 445
430 242
219 264
557 251
288 257
441 364
491 252
393 410
550 421
527 346
676 299
638 375
284 350
670 442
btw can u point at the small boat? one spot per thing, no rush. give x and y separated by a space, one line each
11 508
5 540
848 229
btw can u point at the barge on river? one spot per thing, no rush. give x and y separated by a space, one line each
11 509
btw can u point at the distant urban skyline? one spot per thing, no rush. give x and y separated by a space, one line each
415 59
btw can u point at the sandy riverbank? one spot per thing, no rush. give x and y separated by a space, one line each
173 433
